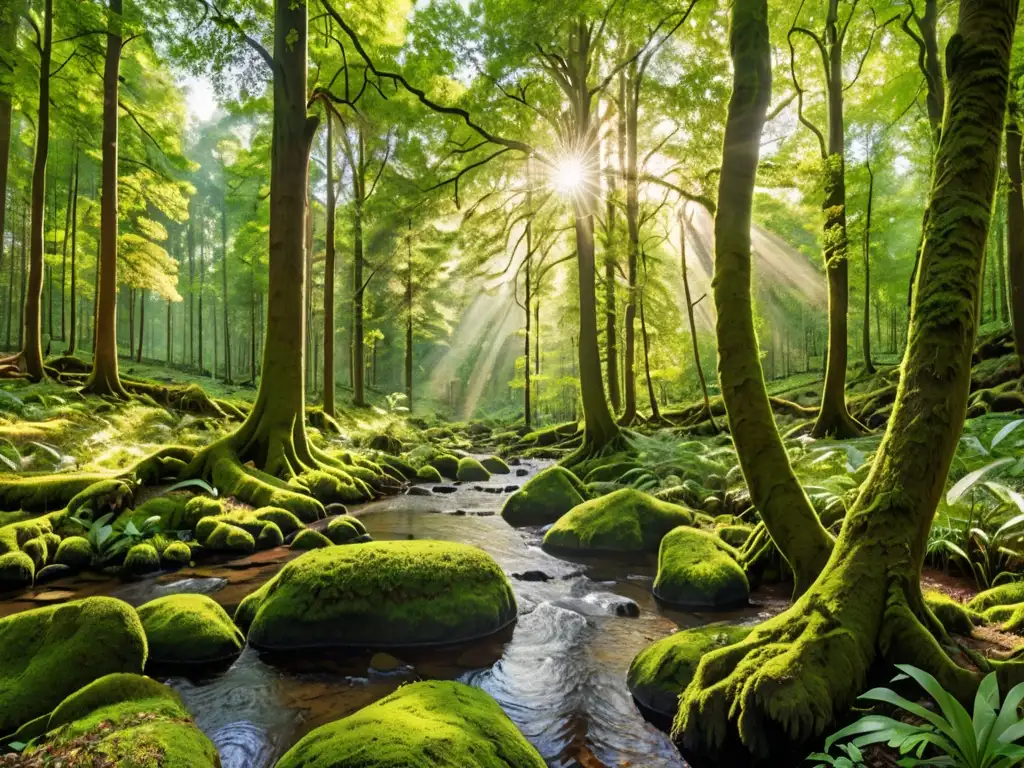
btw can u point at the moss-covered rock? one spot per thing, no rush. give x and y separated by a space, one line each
16 571
953 616
106 495
734 535
310 539
428 474
74 551
660 672
698 571
345 529
51 652
140 560
36 549
286 522
189 629
125 720
1009 593
52 542
380 594
625 521
177 511
447 465
176 554
495 465
399 468
544 498
471 470
438 724
226 537
269 537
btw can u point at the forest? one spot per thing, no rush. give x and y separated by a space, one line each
506 383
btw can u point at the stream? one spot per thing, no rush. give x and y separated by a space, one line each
559 674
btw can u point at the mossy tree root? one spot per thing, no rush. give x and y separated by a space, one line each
588 455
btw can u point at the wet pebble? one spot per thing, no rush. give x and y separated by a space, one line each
522 472
510 488
531 576
445 489
418 490
385 662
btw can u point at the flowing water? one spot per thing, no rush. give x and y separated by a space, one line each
559 673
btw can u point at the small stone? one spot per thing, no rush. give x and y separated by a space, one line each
531 576
627 608
418 490
53 572
445 489
510 488
336 509
385 662
460 513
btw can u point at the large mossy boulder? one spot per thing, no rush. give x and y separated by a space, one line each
75 552
345 529
189 629
698 571
388 594
447 465
470 470
660 672
495 465
122 720
625 521
428 474
17 570
438 724
51 652
140 560
544 498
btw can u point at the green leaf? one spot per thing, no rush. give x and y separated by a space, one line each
1003 433
965 483
193 483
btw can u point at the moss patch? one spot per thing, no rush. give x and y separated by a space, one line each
624 521
74 551
140 560
226 537
51 652
380 595
441 724
345 529
544 498
125 720
698 571
471 470
189 629
660 672
428 474
953 616
17 570
447 465
1005 594
495 465
175 554
310 539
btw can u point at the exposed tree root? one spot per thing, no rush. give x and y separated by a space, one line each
588 455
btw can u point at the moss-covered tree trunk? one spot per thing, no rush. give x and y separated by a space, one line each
1015 226
869 367
31 349
792 676
631 107
104 378
224 285
8 40
409 319
774 489
610 266
358 163
73 330
329 270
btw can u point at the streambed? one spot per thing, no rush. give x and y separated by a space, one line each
559 673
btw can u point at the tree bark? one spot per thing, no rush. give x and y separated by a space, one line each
633 243
104 379
73 340
32 350
610 266
224 283
692 321
408 322
869 367
329 269
1015 225
9 17
358 343
786 682
142 322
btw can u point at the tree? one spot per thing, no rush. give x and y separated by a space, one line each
794 673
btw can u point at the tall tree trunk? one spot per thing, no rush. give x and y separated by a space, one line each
833 417
9 19
655 413
633 242
784 507
789 678
73 339
329 270
131 323
1014 225
358 349
72 170
32 350
10 298
224 283
104 379
527 384
142 322
24 274
869 367
202 280
611 259
408 321
692 321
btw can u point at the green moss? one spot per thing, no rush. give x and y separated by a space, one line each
953 616
660 672
52 541
624 521
230 538
429 474
380 594
1010 618
177 512
269 537
17 570
40 493
447 465
471 470
101 497
310 539
125 720
1005 594
74 551
495 465
544 498
697 570
197 508
36 549
345 529
610 472
189 629
405 470
734 535
177 553
440 724
282 518
329 487
141 559
51 652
